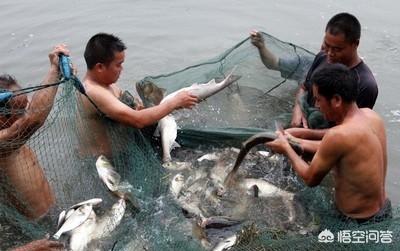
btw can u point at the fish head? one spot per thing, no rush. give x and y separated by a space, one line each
177 184
93 202
149 92
107 173
176 165
102 161
219 190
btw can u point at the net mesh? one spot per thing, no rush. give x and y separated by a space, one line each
214 130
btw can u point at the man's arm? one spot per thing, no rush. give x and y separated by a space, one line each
118 111
306 133
298 118
309 139
41 245
267 57
323 161
39 108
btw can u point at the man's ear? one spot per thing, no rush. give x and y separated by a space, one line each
357 43
99 67
336 101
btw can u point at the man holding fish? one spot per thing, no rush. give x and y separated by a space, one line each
104 56
354 149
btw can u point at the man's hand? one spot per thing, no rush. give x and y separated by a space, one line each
185 100
298 118
139 104
53 55
256 39
41 245
280 144
296 132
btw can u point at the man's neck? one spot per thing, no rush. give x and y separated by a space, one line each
354 61
348 111
92 78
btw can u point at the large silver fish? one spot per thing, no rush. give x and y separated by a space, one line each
75 219
167 127
112 180
65 214
95 228
205 90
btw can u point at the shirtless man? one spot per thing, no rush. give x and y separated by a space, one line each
27 188
354 149
104 56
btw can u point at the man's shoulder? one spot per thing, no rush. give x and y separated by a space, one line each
366 77
371 114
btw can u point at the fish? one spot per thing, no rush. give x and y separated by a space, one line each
65 214
167 127
189 204
112 180
266 189
218 222
263 189
107 173
81 236
225 244
254 140
95 228
177 183
208 156
205 90
108 222
78 216
149 93
177 165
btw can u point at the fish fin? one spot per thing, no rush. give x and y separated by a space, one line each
61 219
212 81
175 144
157 131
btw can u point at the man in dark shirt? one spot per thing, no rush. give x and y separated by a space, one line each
342 37
368 91
341 40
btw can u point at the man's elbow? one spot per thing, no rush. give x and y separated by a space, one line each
312 181
36 123
139 125
29 125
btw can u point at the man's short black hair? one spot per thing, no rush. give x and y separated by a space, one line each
101 48
336 79
346 24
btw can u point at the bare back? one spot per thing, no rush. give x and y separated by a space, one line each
360 164
29 190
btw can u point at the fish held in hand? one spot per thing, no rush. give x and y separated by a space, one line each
259 138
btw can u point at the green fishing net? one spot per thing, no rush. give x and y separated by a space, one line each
217 127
